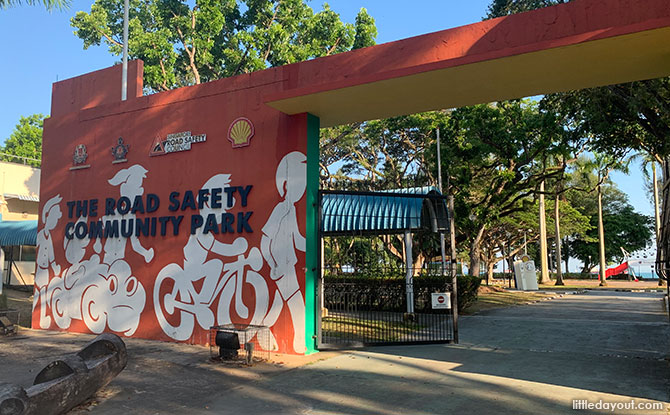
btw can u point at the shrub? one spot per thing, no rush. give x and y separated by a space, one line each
385 291
467 290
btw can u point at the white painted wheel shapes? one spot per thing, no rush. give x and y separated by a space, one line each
169 307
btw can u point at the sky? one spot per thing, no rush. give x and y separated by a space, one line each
39 48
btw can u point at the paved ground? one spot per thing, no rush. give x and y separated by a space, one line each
524 360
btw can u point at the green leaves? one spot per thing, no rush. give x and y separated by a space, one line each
48 4
25 141
185 43
499 8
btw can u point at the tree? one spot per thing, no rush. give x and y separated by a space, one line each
185 43
499 8
25 141
618 118
49 4
498 156
494 154
510 231
380 154
622 226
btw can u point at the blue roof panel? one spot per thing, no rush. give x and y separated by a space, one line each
19 232
365 212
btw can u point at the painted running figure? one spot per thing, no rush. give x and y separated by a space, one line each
281 238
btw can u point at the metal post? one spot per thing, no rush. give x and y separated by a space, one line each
439 184
453 263
124 68
525 244
409 275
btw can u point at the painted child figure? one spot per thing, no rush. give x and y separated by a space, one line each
46 258
281 237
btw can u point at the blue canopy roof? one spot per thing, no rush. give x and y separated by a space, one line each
389 211
19 232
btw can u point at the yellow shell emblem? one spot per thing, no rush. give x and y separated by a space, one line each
240 132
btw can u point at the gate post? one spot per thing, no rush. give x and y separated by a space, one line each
409 272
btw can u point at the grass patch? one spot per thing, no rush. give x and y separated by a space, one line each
499 299
362 330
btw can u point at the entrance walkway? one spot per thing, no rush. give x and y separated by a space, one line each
524 360
605 345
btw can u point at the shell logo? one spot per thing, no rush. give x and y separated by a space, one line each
240 132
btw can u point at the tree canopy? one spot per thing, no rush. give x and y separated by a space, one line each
25 141
49 4
185 43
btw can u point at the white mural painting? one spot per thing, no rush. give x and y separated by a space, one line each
230 269
46 258
103 292
281 238
206 287
130 185
227 280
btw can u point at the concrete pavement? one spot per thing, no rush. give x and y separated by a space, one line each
610 346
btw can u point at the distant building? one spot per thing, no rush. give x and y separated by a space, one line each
19 202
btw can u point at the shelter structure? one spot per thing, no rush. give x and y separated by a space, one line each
19 203
368 268
170 213
18 240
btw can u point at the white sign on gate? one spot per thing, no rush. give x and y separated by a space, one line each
441 300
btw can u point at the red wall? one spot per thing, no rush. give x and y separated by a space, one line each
89 287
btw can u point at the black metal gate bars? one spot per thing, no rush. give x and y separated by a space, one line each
383 280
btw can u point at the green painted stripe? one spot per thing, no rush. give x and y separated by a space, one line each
312 239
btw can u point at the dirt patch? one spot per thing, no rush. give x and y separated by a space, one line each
487 289
22 301
646 285
160 377
490 297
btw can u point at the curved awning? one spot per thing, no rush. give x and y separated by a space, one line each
19 232
392 211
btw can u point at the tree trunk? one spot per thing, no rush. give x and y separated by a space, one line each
657 214
543 240
475 252
601 237
567 256
510 263
559 274
418 263
489 271
663 246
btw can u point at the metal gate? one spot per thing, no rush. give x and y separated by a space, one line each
383 280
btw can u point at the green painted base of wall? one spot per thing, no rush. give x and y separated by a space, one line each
312 239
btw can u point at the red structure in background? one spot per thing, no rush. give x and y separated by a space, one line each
619 269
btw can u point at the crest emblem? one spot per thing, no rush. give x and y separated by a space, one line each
80 155
120 150
240 132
